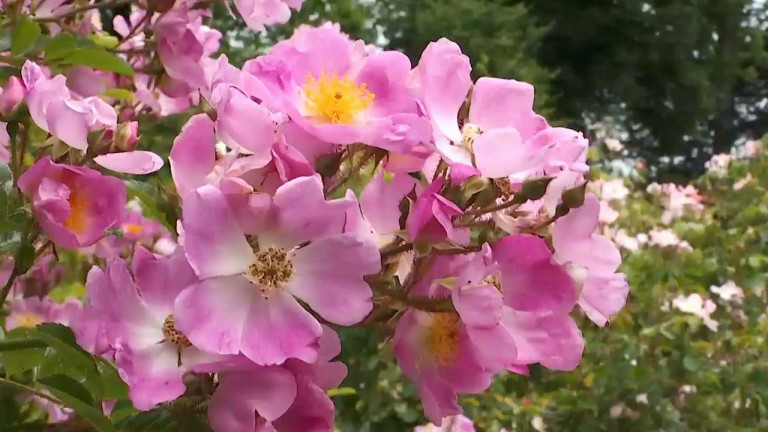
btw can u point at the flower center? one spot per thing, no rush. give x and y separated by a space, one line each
336 100
494 280
28 320
503 186
443 337
78 211
174 336
469 133
271 268
132 228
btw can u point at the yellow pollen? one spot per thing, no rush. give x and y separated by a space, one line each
29 320
78 211
494 280
336 100
174 336
271 268
443 337
132 228
470 132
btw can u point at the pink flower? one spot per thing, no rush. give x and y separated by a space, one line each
54 109
245 301
447 353
695 304
666 238
430 218
136 307
40 279
12 95
30 311
335 90
73 205
5 141
135 229
457 423
503 136
719 163
261 13
288 398
184 44
729 291
575 242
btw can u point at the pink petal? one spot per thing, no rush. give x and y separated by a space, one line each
278 328
152 375
500 153
499 103
193 154
213 313
246 124
603 296
243 396
68 125
215 244
335 288
161 279
134 162
445 80
380 200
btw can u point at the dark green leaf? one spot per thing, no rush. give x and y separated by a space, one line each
114 387
25 33
157 420
75 396
97 58
19 356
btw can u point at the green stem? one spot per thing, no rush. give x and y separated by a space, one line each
75 11
29 389
19 344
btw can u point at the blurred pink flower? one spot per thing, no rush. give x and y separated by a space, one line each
695 304
729 292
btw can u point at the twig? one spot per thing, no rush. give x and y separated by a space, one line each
395 250
30 390
491 209
75 11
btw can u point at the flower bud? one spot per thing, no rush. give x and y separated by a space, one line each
12 95
126 136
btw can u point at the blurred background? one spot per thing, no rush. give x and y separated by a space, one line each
660 86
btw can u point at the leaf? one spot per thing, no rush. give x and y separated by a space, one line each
118 93
16 359
147 195
62 340
343 391
69 385
97 58
24 35
75 396
105 40
157 420
114 387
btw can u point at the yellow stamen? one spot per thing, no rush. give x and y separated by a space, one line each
79 203
336 100
132 228
29 320
443 337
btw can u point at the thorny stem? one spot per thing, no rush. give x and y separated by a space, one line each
353 169
491 209
395 250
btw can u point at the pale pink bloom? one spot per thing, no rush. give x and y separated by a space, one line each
73 205
614 145
642 398
719 163
678 200
457 423
728 292
12 95
30 311
752 148
667 238
261 13
654 189
610 190
607 214
626 241
739 185
54 109
695 304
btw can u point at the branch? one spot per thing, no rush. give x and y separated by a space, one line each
75 11
491 209
30 390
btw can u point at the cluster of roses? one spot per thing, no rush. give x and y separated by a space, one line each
473 238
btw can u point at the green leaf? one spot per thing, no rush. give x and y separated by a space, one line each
17 354
105 40
69 385
75 396
97 58
343 391
62 340
157 420
118 93
114 387
149 203
24 35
